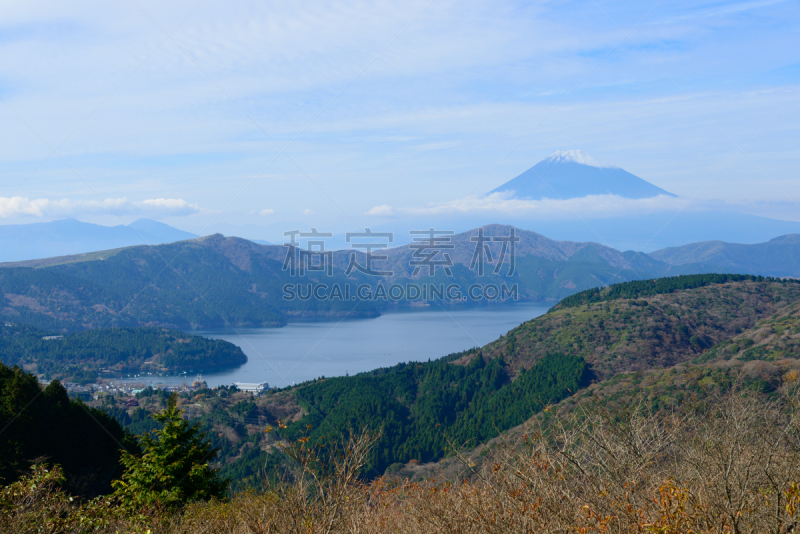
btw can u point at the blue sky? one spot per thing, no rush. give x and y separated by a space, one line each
259 113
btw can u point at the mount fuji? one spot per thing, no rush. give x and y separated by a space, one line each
573 174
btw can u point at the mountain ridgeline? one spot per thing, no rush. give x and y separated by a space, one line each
218 281
777 257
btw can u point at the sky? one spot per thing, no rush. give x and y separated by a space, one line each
342 115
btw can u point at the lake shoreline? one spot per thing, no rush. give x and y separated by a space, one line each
305 350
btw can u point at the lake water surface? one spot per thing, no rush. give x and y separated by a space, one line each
308 350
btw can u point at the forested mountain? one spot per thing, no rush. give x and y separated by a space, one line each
45 425
776 257
82 357
641 325
630 330
660 342
218 281
208 282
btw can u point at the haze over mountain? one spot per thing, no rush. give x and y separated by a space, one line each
632 214
662 229
216 281
776 257
573 174
19 242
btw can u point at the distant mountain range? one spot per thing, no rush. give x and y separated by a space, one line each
776 257
573 174
69 236
217 281
662 221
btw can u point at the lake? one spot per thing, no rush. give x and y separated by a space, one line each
307 350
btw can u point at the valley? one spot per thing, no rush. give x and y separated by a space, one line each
628 343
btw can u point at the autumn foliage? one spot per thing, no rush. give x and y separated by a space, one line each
728 463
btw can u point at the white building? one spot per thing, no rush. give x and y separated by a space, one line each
253 388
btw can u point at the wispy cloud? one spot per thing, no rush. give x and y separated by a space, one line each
724 9
45 207
592 206
384 210
472 92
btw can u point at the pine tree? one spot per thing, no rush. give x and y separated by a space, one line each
173 468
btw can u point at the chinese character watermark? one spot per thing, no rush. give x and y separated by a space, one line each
300 261
483 252
369 256
428 251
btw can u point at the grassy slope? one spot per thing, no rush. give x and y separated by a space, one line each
627 334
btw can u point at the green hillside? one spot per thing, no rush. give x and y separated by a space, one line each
471 397
618 333
762 358
211 282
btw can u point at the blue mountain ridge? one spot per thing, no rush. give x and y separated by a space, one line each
64 237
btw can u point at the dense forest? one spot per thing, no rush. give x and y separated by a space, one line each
659 286
82 357
418 407
46 425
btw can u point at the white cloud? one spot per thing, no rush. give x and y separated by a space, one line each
308 212
45 207
592 206
467 84
384 209
264 213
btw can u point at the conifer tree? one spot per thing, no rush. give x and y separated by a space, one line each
173 468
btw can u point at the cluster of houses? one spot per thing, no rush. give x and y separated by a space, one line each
93 391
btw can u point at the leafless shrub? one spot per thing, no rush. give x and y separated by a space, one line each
324 495
728 464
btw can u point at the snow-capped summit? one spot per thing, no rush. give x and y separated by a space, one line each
576 156
573 174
